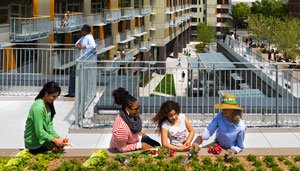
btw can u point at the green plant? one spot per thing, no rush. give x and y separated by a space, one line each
146 80
207 161
281 158
72 165
113 166
297 158
251 157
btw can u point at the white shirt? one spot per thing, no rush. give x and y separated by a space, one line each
88 41
176 134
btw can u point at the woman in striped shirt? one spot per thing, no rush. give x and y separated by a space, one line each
127 132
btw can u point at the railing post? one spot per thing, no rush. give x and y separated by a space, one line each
77 94
276 101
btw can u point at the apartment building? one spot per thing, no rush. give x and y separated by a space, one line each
294 8
212 12
147 30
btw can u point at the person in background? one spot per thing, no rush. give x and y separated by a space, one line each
271 55
229 127
84 44
39 134
65 19
174 127
127 132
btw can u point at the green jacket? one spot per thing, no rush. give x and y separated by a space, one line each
39 127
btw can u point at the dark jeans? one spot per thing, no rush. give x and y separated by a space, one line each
47 146
150 141
72 78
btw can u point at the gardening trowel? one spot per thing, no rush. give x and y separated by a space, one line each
194 151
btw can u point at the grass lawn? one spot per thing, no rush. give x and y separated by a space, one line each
146 80
167 85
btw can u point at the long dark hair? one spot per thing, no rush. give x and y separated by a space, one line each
162 114
50 87
123 98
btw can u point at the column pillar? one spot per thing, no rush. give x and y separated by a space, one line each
176 47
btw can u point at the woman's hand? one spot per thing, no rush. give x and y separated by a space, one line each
184 148
142 134
58 142
146 146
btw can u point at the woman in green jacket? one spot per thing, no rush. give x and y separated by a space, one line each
39 134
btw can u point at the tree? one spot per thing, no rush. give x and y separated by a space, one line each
270 8
205 34
257 25
240 13
286 37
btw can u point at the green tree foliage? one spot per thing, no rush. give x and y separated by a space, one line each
256 26
240 13
205 34
270 8
286 37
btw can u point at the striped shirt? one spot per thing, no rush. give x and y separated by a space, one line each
122 138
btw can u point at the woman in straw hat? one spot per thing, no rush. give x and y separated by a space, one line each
229 126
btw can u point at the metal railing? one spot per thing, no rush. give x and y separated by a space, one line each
85 84
146 10
127 13
72 22
268 97
29 29
265 99
25 68
112 15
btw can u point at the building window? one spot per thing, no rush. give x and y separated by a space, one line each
203 1
199 20
194 20
194 2
199 2
194 9
200 9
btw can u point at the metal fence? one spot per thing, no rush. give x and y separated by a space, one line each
264 96
25 68
268 96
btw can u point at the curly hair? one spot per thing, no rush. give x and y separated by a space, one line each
162 114
123 98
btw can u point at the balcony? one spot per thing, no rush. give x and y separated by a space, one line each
97 19
170 10
29 29
112 16
139 31
124 37
175 22
225 15
146 10
104 45
127 13
71 24
145 46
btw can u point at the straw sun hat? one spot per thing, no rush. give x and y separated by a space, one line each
228 102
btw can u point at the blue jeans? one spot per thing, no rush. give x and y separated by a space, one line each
150 141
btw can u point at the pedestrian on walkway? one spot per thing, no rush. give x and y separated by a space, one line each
179 62
229 126
39 134
176 130
182 76
127 132
85 44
